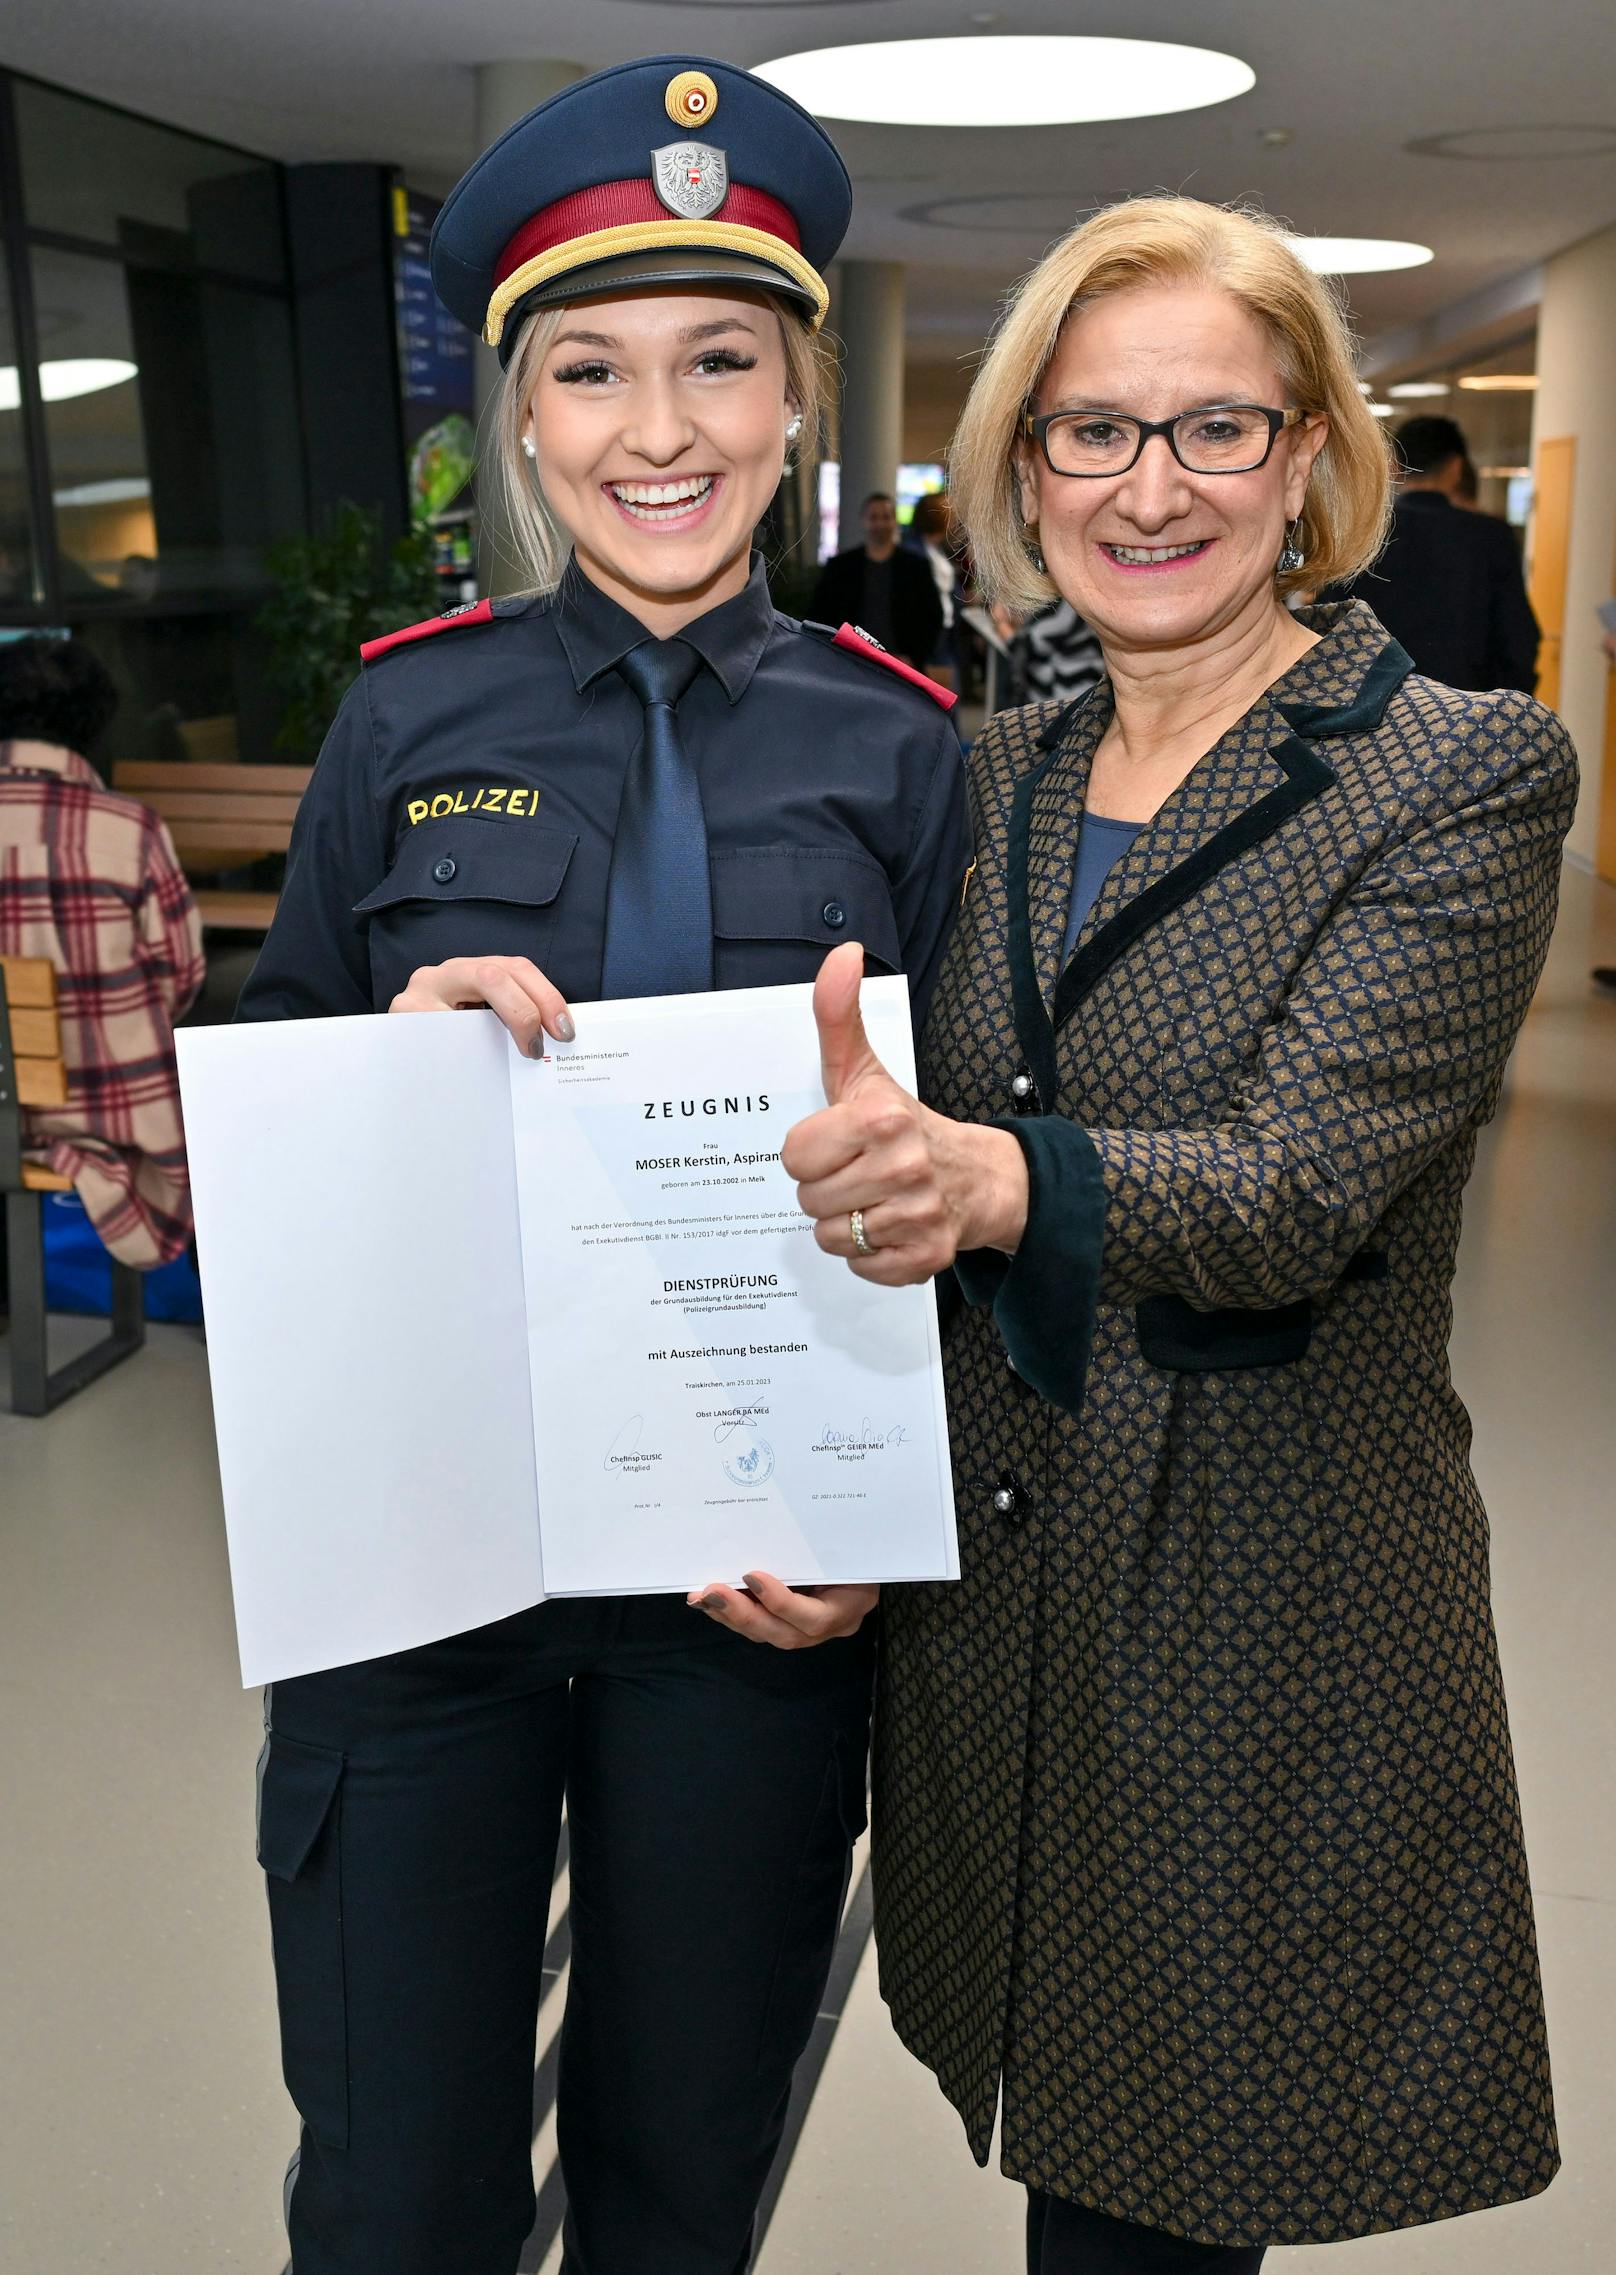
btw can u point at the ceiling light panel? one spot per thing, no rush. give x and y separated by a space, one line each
1013 80
1360 256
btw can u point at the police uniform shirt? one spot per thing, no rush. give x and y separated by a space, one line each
465 801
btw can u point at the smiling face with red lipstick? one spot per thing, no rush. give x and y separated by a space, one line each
658 423
1158 555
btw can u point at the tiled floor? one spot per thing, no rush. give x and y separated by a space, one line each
142 2122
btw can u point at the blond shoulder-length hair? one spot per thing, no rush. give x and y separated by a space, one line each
538 544
1173 240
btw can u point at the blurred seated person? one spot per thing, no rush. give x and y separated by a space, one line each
1448 585
884 588
90 880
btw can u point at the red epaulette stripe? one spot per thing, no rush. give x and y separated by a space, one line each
481 613
860 644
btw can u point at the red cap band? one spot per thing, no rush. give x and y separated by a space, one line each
615 205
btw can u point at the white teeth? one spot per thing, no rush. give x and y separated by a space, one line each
650 501
1134 556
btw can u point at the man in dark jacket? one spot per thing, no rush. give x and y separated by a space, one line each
883 588
1448 585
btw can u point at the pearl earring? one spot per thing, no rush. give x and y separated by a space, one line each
794 428
527 446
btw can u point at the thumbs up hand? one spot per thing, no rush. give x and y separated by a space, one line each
923 1187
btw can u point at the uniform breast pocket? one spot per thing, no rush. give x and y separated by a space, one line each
779 910
461 888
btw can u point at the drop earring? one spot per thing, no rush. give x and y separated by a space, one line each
1290 560
1035 552
794 428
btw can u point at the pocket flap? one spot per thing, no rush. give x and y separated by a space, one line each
295 1793
475 861
791 892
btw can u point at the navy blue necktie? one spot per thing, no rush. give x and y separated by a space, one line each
659 898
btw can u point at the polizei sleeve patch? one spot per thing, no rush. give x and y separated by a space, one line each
469 612
859 643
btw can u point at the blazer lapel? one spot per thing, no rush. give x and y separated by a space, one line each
1046 813
1253 780
1247 786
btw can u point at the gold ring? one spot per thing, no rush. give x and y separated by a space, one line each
855 1225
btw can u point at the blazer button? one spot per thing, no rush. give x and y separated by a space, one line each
834 915
1024 1098
1009 1500
444 871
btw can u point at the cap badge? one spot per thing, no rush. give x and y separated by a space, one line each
691 99
691 179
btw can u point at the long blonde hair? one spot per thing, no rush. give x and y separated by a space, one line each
1174 240
539 545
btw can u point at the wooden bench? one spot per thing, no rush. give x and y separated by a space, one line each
33 1073
221 817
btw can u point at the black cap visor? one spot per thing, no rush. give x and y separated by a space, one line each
638 272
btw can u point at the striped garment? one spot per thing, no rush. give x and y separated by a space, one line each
91 881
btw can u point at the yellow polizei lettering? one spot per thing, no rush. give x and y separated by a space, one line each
490 798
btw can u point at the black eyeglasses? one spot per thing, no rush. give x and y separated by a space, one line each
1222 438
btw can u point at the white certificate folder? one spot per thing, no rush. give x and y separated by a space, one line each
483 1328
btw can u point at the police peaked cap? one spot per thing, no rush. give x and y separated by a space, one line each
673 170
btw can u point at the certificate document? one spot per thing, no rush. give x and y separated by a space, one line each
712 1393
483 1328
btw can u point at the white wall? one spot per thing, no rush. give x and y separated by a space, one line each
1576 350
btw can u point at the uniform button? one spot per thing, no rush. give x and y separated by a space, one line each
834 914
444 870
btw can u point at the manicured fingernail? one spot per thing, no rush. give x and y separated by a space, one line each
753 1580
565 1030
711 1603
535 1049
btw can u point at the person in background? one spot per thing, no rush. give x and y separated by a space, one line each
883 588
1604 975
1448 586
1054 656
928 536
90 880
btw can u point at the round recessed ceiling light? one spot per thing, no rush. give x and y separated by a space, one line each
59 382
1513 144
1358 256
1014 80
1499 382
1407 390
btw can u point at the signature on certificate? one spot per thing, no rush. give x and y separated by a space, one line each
625 1452
866 1437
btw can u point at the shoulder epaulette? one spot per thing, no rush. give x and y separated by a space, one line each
858 643
469 612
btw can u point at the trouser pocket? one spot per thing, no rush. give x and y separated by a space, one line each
300 1849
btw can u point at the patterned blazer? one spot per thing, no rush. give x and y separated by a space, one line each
1196 1818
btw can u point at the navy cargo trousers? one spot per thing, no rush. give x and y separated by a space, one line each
409 1811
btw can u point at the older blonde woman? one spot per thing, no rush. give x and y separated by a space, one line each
1197 1825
